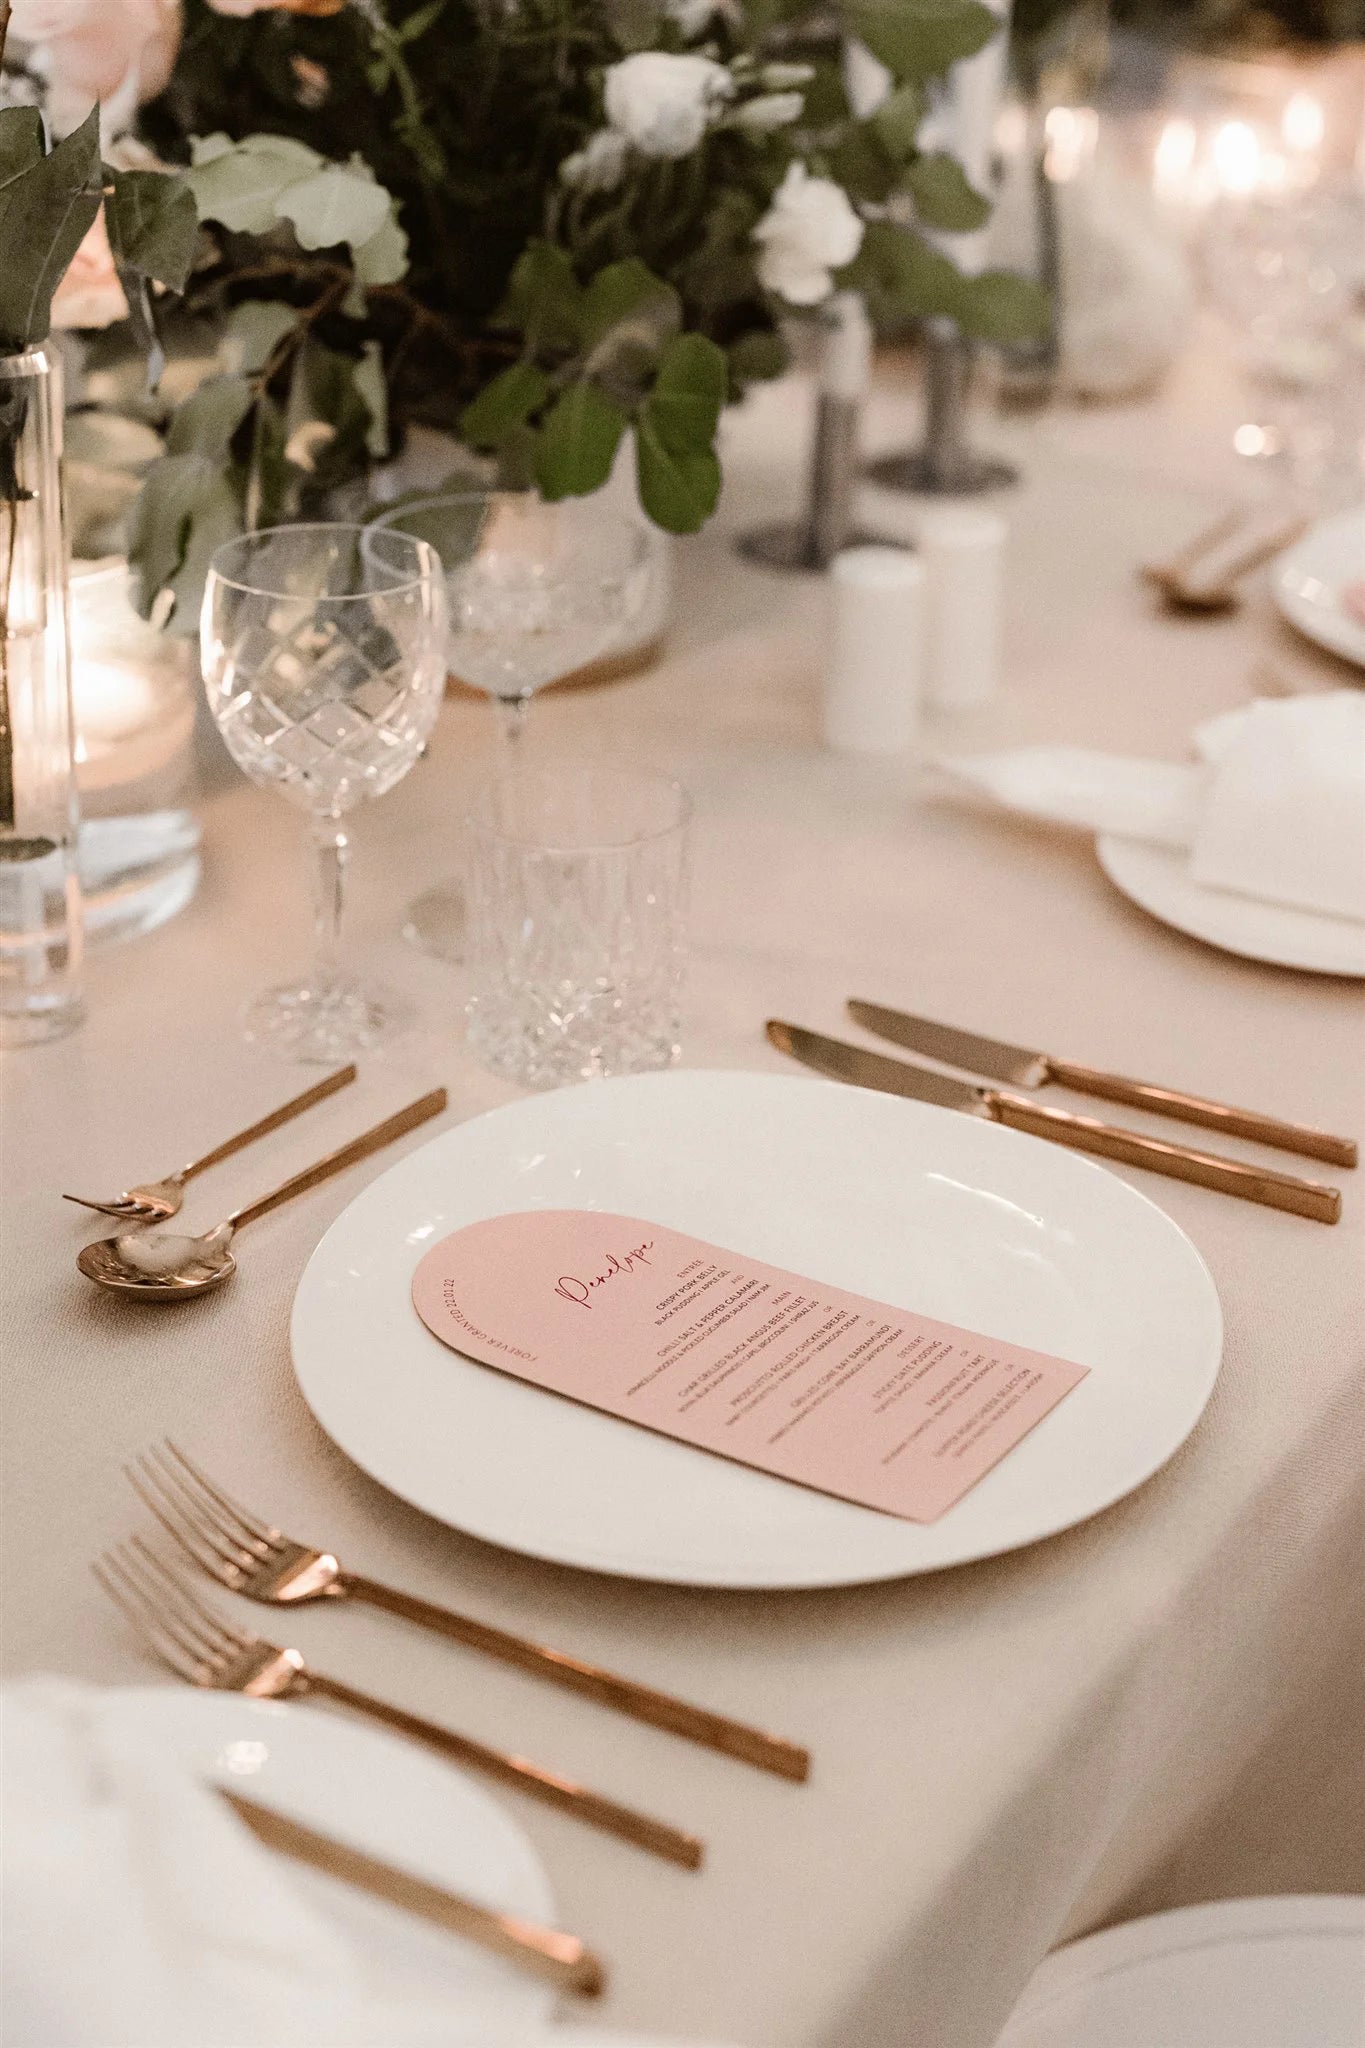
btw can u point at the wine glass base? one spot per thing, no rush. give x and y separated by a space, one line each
435 922
325 1025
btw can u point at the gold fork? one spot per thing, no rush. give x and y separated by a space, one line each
156 1201
200 1647
220 1536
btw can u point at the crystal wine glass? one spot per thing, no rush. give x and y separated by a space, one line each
324 656
536 590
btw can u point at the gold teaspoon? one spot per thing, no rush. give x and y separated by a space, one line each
163 1265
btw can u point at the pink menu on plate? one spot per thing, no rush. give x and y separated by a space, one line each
874 1404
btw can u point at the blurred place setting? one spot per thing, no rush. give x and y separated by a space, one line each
682 925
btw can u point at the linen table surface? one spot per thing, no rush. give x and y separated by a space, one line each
1003 1754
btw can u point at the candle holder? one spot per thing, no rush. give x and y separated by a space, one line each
134 710
826 527
40 911
944 465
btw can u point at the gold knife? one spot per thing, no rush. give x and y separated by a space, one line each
996 1060
844 1062
562 1959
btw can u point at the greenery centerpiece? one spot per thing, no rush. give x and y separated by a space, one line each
535 225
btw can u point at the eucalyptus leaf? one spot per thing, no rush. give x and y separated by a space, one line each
544 298
504 404
253 330
626 302
901 276
678 491
919 39
153 224
187 507
685 405
1002 307
21 140
47 207
756 357
332 206
578 442
207 420
897 121
942 195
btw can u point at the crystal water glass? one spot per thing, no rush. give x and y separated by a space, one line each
324 657
577 883
536 591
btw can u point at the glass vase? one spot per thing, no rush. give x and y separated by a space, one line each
40 918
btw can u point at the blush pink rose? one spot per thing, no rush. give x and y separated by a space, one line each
90 294
243 7
116 52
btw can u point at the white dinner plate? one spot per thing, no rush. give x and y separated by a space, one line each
920 1207
1244 1973
1313 574
385 1796
1158 880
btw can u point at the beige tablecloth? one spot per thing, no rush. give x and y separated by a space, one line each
1153 1707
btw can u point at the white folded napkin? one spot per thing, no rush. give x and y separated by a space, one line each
1274 808
141 1913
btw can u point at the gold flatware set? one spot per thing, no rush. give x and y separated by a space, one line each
991 1059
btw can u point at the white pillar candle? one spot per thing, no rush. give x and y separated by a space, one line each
874 651
963 547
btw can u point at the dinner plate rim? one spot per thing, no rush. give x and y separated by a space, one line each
1118 854
583 1556
1181 1928
1337 632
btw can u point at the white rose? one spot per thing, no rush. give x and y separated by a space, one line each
661 103
694 17
809 231
598 166
770 110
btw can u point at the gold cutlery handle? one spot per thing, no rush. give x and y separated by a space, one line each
1181 1162
1213 1116
561 1959
262 1129
595 1808
642 1702
349 1155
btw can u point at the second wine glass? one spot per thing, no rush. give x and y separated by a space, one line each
536 591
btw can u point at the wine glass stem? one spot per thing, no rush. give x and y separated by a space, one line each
330 851
512 723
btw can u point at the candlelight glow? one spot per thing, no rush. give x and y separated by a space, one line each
1304 123
1174 159
1237 158
1069 138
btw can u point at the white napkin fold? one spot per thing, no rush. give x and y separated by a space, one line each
1274 808
141 1913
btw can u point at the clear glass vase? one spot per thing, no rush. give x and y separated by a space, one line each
40 917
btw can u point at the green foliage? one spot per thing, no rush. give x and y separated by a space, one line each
918 39
153 225
251 186
943 198
578 441
48 203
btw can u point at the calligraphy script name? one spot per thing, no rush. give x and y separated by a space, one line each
570 1288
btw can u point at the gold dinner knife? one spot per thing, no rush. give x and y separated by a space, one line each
844 1062
561 1959
996 1060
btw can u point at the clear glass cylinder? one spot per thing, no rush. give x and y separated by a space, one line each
40 913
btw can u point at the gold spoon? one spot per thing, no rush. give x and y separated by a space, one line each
162 1265
1187 584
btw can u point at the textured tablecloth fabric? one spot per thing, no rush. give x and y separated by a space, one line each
1003 1754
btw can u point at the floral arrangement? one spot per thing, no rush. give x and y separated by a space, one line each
536 225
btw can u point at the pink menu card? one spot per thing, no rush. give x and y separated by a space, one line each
852 1397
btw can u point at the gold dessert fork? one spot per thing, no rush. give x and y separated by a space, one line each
152 1201
200 1647
224 1539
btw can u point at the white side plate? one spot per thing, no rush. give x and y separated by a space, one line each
395 1801
920 1207
1244 1973
1158 880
